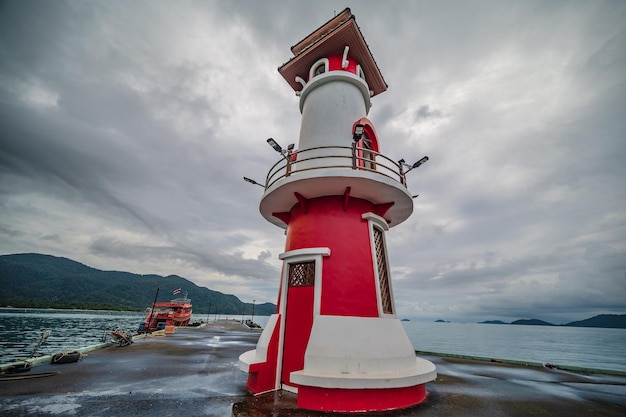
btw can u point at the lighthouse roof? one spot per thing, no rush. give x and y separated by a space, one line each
331 39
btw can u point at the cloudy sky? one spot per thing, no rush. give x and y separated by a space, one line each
126 128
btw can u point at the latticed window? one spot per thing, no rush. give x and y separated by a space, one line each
302 274
383 275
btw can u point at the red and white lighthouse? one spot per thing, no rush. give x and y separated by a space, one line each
335 338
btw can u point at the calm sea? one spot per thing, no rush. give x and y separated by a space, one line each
586 347
20 330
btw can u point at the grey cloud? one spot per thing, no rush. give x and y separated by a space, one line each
210 259
425 112
127 129
264 255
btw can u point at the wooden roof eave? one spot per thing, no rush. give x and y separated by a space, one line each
330 43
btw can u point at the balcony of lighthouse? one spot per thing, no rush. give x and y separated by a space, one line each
350 171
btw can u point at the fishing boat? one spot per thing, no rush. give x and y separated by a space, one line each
176 312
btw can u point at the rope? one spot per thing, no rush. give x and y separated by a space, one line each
28 376
58 357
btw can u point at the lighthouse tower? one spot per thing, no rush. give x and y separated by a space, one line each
335 339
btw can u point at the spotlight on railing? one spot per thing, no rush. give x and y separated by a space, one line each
358 132
415 165
279 149
251 181
274 145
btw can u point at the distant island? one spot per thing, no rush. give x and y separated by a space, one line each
608 321
32 280
532 322
611 321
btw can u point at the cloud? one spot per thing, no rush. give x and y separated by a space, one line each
264 255
424 112
127 128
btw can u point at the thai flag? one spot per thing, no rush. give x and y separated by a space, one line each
176 291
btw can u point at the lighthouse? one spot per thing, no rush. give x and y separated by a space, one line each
335 339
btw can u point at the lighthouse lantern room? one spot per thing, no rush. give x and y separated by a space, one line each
335 339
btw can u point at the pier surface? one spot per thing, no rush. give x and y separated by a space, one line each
194 373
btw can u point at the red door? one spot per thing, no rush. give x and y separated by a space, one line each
298 317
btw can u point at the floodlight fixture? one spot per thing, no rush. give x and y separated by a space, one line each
279 149
420 162
357 134
274 145
251 181
415 165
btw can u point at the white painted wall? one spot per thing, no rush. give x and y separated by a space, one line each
330 104
361 352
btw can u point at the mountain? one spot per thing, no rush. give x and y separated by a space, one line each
45 281
493 322
532 322
611 321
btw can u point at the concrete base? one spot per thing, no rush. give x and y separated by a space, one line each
355 364
259 355
352 364
361 353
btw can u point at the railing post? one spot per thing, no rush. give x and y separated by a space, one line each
288 167
402 177
353 155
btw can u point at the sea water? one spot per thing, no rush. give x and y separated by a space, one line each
586 347
20 330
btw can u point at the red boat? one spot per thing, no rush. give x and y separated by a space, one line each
176 312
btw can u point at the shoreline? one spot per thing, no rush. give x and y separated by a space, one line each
576 369
580 369
47 359
70 309
236 325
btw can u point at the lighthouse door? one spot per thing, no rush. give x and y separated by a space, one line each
298 317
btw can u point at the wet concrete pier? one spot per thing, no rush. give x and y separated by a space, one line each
194 373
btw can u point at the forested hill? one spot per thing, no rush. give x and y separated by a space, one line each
44 281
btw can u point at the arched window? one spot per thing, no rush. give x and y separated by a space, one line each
367 146
359 72
320 67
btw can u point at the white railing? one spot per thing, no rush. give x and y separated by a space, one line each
326 157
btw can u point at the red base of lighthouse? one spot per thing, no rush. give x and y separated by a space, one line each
357 400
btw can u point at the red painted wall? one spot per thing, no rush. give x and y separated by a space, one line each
335 61
348 283
348 286
298 323
262 376
352 400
